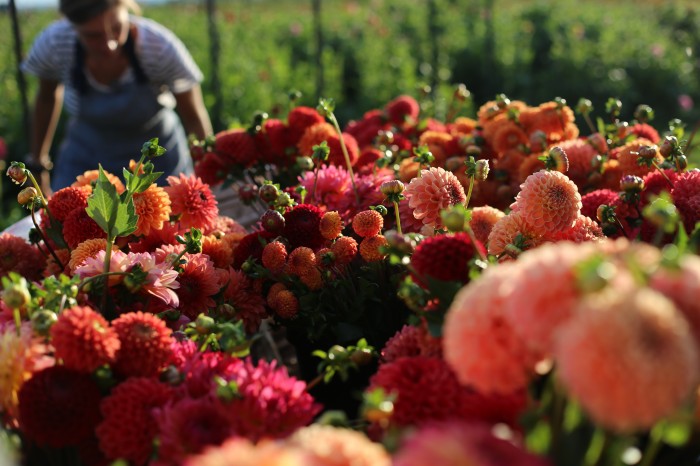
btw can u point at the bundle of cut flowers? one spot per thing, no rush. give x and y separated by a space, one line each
488 291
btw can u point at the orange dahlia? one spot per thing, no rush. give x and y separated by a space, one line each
192 202
436 189
88 248
371 248
462 126
628 357
368 223
63 201
274 257
483 220
627 156
145 344
583 229
320 132
90 177
438 143
152 208
512 230
286 305
509 136
334 446
344 249
331 225
549 201
301 260
83 339
580 154
218 250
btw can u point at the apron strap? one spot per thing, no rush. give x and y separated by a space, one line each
78 72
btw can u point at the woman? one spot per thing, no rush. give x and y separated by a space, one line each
120 77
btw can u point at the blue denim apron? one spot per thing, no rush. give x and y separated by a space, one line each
110 127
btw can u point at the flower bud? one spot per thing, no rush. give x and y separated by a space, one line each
643 113
43 320
668 146
648 152
16 296
385 138
584 106
27 195
399 243
268 193
681 162
305 163
285 200
272 221
502 101
362 356
248 193
453 219
17 174
473 150
557 160
623 129
337 352
482 170
598 142
204 324
631 184
392 187
604 212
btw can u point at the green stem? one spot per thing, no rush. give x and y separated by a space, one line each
589 122
469 191
557 418
176 260
18 320
398 218
654 445
95 277
663 174
48 246
38 188
691 137
334 120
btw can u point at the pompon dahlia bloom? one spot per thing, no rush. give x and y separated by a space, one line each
591 201
483 220
580 154
67 199
627 156
250 246
402 110
368 223
545 291
646 131
444 257
335 446
83 339
199 282
331 225
436 189
128 428
17 255
235 147
345 249
300 118
220 250
187 426
20 356
301 226
242 452
410 341
246 297
88 248
512 230
682 286
655 183
89 177
372 248
583 229
274 257
153 208
549 201
59 407
78 227
480 343
458 444
271 404
145 344
192 202
628 357
686 197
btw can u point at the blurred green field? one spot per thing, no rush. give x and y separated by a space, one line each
638 51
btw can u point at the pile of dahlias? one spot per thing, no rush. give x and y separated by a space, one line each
490 290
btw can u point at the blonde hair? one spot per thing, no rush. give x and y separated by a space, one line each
80 11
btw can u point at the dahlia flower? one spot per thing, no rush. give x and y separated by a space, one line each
436 189
153 208
160 280
242 293
17 255
145 344
334 446
242 452
409 341
198 282
483 220
192 202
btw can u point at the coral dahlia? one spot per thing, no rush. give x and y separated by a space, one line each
192 202
436 189
153 208
549 201
145 344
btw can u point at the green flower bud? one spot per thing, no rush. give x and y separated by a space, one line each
43 320
16 296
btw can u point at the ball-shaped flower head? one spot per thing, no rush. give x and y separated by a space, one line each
331 225
153 209
409 341
508 136
272 403
199 282
320 132
457 443
686 197
591 201
372 248
192 202
128 428
512 231
78 227
628 155
655 183
367 223
243 452
59 407
436 189
274 257
88 248
583 229
299 119
300 261
88 179
345 249
444 257
145 344
236 147
250 246
285 304
17 255
65 200
483 220
628 357
580 154
549 201
480 343
646 131
681 285
301 227
402 110
545 291
83 339
335 446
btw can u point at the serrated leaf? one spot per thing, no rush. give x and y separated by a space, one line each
115 217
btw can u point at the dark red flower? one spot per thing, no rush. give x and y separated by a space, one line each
251 246
591 201
403 109
444 257
302 227
78 226
236 147
17 255
686 197
300 118
643 130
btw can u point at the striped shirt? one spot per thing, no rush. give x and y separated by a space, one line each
165 60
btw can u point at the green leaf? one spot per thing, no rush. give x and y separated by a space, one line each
677 433
115 217
140 183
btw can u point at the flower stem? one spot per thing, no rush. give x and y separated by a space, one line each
654 445
51 251
18 320
398 218
469 191
334 120
589 122
557 418
663 174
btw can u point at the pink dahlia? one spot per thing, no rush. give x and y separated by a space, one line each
646 131
483 220
199 282
444 257
583 229
580 154
655 183
549 201
480 343
59 407
436 189
17 255
245 296
334 446
94 265
686 197
201 370
591 201
628 357
328 187
192 202
512 235
459 444
160 280
128 428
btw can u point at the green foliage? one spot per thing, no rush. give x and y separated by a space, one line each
115 217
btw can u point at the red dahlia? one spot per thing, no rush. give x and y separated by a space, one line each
251 246
78 226
403 109
145 344
686 197
16 255
236 146
302 226
444 257
65 200
299 119
591 201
